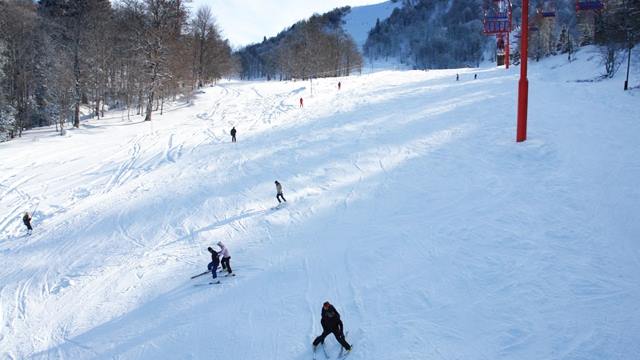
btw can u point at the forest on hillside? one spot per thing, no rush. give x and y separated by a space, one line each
58 55
316 47
448 33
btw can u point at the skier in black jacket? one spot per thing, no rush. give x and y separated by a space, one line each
26 219
215 261
233 134
331 323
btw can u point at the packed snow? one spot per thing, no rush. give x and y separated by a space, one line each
410 207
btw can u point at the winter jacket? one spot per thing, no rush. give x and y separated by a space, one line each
331 319
279 188
233 132
223 250
214 258
26 219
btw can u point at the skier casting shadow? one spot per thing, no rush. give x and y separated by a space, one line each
331 324
279 192
213 265
26 219
226 258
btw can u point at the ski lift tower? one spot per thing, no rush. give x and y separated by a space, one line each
586 11
497 21
523 83
544 20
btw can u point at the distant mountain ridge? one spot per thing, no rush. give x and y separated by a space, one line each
323 45
315 47
359 20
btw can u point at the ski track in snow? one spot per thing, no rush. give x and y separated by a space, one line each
409 207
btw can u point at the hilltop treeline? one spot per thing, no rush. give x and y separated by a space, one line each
316 47
430 34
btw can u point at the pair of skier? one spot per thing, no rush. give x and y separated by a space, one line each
215 260
224 252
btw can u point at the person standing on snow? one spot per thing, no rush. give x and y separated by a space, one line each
215 261
226 258
339 85
279 193
301 103
233 134
331 324
26 219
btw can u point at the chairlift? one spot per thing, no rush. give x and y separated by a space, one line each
547 10
496 24
497 19
584 5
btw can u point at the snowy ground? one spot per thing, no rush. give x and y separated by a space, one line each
411 209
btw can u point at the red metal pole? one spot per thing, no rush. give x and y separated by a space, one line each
506 61
506 53
523 85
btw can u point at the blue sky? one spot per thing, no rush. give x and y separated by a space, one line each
247 21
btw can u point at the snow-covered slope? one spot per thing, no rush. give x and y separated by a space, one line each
411 209
361 19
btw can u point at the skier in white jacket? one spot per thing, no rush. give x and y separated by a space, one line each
279 192
224 252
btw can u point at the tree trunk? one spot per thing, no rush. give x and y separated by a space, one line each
149 107
76 118
76 73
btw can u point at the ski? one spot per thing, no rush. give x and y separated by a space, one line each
278 207
214 282
204 273
324 350
343 354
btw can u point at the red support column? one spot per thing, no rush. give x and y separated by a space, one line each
507 60
523 85
506 53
